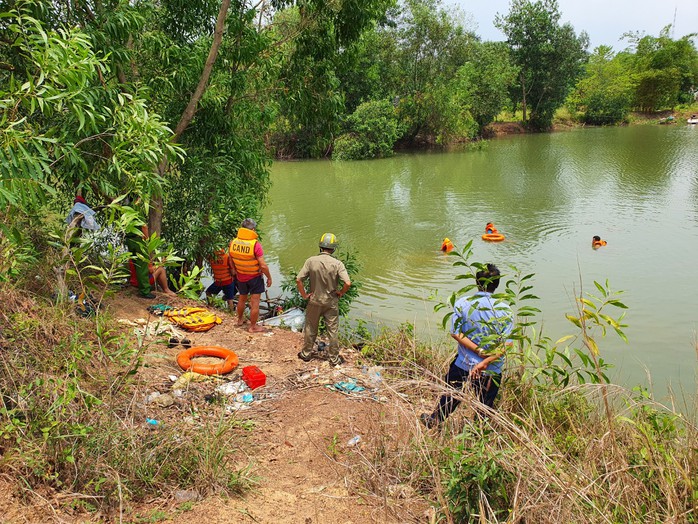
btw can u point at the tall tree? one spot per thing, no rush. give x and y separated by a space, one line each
484 81
313 104
605 94
550 57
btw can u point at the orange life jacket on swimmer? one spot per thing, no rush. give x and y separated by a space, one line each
598 243
242 251
447 246
220 268
490 229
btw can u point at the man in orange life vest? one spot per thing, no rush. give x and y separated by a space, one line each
249 266
223 277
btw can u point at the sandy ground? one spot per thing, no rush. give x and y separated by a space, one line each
297 452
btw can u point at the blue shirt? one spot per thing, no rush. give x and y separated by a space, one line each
88 216
485 321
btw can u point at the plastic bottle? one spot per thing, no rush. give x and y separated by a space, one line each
374 376
247 397
353 441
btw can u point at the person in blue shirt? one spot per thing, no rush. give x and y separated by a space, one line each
481 325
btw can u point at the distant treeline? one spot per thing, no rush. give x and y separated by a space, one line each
185 104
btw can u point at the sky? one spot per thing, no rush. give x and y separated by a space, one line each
604 20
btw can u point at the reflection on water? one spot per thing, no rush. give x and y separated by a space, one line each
549 194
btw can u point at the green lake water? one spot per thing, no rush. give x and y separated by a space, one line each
636 187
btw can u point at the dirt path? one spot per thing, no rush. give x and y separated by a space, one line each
297 451
301 455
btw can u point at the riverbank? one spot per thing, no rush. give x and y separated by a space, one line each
550 453
282 458
563 121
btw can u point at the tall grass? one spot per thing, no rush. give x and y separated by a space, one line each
546 455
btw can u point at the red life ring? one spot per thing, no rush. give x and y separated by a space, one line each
229 363
493 237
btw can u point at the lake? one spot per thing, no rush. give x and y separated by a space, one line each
636 187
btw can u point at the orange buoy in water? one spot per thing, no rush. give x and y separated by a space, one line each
493 237
446 246
596 242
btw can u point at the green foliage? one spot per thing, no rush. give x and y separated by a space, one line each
312 103
68 420
349 147
400 350
515 292
549 56
539 359
657 89
61 126
430 44
604 95
475 473
483 82
188 283
16 253
666 70
373 129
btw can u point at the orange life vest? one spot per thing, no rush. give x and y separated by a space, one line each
220 268
242 251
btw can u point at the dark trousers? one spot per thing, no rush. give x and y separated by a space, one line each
485 387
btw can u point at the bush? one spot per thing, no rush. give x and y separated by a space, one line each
372 131
349 147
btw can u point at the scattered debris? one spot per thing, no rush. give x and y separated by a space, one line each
294 319
164 400
186 495
159 309
187 377
232 388
373 374
347 386
152 423
353 441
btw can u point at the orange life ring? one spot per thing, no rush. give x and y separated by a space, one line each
493 237
229 363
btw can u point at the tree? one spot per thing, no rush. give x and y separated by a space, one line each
312 104
605 94
666 70
484 81
62 127
549 56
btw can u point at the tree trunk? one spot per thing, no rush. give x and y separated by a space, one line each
155 216
523 97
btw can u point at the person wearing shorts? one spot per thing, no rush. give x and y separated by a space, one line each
223 273
249 266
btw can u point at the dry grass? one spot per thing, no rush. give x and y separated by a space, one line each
73 419
546 455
